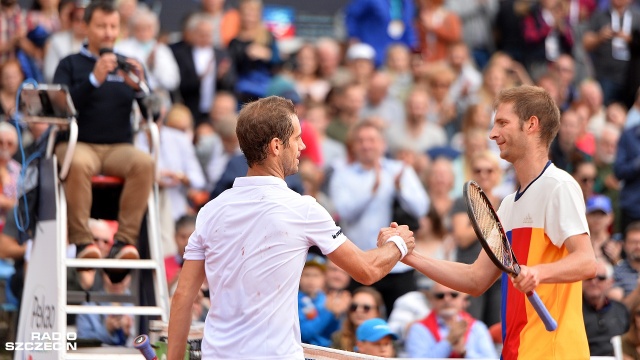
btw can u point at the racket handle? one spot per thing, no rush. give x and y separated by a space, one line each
142 343
549 322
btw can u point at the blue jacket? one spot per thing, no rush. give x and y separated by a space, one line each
316 322
368 20
627 169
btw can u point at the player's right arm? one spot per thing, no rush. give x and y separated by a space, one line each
367 267
191 278
473 279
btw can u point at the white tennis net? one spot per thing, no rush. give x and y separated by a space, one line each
312 352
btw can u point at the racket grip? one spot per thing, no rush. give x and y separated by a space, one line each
142 343
549 322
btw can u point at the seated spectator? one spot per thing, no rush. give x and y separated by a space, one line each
318 312
374 337
600 218
448 331
184 227
349 101
337 279
605 155
603 318
468 79
366 303
585 173
398 66
103 233
410 307
626 287
563 151
65 42
11 76
109 329
160 65
309 84
204 69
333 152
415 132
379 103
360 59
209 144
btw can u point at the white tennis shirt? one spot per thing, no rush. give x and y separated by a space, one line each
254 239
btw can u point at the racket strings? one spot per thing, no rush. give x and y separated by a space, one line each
489 227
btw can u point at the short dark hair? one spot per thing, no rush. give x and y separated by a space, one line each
261 121
632 227
530 101
103 5
184 221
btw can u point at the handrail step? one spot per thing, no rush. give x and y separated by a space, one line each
112 263
114 310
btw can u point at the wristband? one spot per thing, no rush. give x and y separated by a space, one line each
402 246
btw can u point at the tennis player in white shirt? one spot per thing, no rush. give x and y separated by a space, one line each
252 241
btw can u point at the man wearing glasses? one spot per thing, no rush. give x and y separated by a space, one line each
603 318
448 331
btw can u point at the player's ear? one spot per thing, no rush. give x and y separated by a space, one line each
532 123
275 146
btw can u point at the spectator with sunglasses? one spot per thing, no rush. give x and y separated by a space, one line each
448 331
366 303
585 173
319 312
603 318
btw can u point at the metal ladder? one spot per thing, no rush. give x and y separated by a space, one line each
44 305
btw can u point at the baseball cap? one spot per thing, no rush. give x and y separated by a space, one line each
361 51
373 330
317 261
599 203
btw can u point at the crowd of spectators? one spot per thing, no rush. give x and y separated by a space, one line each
395 117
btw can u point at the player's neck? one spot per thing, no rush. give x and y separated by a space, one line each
530 167
265 170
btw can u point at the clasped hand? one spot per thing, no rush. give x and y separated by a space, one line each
397 230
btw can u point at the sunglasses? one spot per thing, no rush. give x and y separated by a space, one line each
365 307
599 277
441 295
479 171
586 180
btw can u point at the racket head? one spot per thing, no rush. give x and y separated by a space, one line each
488 228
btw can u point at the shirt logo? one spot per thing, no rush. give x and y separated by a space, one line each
337 234
527 220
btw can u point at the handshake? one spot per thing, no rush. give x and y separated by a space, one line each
400 235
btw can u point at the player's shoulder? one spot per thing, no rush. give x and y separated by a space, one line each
554 176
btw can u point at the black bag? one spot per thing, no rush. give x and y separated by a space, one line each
402 217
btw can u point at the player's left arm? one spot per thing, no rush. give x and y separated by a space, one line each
191 278
578 265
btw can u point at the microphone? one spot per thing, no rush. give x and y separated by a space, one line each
126 67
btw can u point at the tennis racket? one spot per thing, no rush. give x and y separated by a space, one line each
495 243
